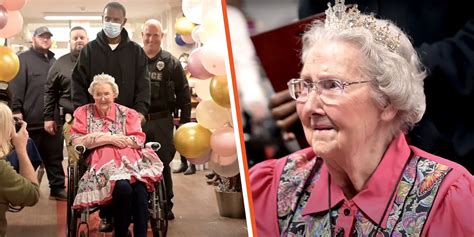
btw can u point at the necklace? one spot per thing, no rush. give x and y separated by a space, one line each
379 225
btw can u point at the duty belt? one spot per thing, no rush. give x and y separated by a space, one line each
157 115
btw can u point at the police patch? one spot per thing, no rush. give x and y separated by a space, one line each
160 65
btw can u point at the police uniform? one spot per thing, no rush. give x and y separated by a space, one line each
169 91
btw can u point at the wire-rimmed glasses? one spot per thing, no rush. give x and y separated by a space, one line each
329 90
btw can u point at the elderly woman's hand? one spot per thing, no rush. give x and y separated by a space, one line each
20 138
120 141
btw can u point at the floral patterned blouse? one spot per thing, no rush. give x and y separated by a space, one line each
411 193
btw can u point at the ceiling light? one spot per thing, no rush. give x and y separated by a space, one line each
73 16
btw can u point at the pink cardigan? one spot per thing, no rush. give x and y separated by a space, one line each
452 213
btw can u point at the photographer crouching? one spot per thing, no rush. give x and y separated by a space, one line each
18 189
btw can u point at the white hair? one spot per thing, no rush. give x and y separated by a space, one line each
397 77
103 79
154 22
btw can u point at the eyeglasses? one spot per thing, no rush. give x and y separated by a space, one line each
100 96
328 90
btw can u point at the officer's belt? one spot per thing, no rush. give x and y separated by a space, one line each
157 115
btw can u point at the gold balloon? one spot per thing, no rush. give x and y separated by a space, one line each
192 140
183 26
9 64
220 91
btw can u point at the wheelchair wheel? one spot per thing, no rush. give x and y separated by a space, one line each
72 216
158 211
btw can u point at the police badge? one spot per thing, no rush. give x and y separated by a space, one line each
160 65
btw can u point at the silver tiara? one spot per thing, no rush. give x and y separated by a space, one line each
338 18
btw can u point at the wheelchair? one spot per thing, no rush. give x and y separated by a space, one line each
77 219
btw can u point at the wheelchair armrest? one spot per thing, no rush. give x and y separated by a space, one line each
153 145
80 149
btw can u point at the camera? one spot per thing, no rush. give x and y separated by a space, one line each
18 123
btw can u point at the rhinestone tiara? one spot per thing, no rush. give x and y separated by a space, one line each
338 18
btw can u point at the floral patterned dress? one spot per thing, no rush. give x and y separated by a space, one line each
107 163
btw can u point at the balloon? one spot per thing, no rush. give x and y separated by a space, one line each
195 65
220 91
192 9
3 17
200 160
214 22
212 26
188 39
195 34
14 5
179 41
183 26
202 89
214 53
192 140
14 25
217 162
210 115
9 63
223 142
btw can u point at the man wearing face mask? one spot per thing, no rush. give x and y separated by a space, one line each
113 53
58 88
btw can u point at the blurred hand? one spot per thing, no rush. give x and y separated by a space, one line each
50 127
283 109
20 138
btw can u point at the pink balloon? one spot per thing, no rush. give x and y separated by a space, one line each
223 141
195 65
14 25
14 5
200 160
229 170
3 17
188 39
223 160
214 53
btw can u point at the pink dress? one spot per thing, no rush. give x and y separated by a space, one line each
108 163
411 193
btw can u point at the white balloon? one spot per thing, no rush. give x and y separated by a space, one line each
202 89
195 34
193 10
210 115
228 170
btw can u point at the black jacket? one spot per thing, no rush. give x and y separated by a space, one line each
28 87
58 86
443 33
126 63
169 86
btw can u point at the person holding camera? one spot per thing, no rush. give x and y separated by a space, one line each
18 189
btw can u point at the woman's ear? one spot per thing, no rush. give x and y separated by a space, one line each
388 113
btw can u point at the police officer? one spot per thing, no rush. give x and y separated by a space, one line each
169 90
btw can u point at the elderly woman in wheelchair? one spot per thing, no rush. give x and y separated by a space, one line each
120 171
